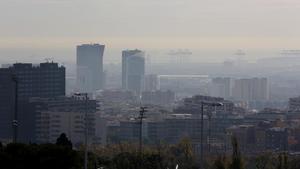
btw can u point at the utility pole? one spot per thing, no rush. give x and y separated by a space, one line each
141 117
86 133
209 128
202 104
201 137
15 120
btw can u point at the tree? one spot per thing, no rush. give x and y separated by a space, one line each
181 154
285 161
63 140
45 156
237 162
220 163
262 161
282 161
279 166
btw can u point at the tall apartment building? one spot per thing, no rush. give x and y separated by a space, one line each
151 82
7 93
254 89
133 70
43 80
221 87
90 75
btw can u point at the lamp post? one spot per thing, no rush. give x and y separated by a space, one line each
141 117
85 95
15 120
215 105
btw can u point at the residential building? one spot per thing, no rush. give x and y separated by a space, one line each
221 87
277 139
45 80
246 136
54 116
294 104
254 89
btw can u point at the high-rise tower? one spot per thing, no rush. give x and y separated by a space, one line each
133 70
90 76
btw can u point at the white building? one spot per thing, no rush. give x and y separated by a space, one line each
221 87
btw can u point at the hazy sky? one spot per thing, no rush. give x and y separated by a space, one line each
155 24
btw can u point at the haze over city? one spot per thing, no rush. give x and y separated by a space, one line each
54 27
149 84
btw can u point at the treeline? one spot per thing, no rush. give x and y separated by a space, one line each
47 156
127 156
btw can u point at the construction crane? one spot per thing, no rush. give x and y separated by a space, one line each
290 52
240 54
180 55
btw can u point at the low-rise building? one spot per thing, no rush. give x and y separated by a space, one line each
277 139
54 116
163 98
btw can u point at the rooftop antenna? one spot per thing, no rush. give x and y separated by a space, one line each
50 59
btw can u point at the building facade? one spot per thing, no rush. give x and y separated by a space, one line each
294 104
44 80
54 116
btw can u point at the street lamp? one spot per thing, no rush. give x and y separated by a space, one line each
15 120
202 104
214 104
85 95
141 117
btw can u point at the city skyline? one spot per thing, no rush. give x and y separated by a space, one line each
149 84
